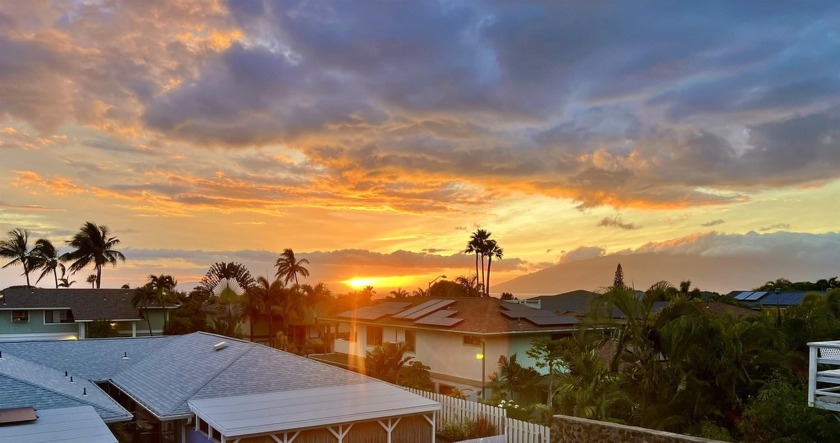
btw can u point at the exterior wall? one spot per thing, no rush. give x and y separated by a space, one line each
156 318
565 429
35 328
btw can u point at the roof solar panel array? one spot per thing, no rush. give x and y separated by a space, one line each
539 317
377 311
755 296
743 295
428 310
416 308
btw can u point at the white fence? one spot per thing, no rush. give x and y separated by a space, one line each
455 409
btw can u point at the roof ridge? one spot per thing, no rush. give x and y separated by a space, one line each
251 346
120 411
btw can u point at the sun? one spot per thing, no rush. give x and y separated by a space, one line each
358 283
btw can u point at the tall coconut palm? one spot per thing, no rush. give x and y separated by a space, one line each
93 245
45 257
141 298
288 267
163 285
265 297
16 247
493 251
477 245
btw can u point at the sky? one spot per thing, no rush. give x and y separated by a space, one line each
373 137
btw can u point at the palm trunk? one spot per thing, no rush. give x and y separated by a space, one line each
148 319
26 273
483 281
99 280
55 275
487 289
477 279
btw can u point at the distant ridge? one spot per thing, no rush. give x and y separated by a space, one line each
719 274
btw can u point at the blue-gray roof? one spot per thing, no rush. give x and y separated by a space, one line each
25 383
163 373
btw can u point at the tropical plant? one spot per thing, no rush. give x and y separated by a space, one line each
514 381
384 362
261 299
415 375
93 245
92 280
492 251
100 328
226 271
45 257
399 293
419 292
618 280
477 245
16 247
141 298
164 287
547 354
470 284
289 267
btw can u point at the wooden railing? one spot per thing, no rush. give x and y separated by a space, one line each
824 375
456 409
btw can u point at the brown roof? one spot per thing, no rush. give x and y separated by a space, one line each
481 316
86 304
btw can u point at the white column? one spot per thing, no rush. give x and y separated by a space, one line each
81 331
134 329
812 373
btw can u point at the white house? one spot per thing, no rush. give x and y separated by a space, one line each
460 339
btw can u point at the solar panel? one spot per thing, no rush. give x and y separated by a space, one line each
440 305
446 321
539 317
743 295
377 311
755 296
415 309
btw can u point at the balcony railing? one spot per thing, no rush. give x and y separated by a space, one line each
824 375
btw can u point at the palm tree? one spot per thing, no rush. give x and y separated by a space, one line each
93 245
142 297
419 292
265 297
470 284
16 247
45 257
399 293
163 285
230 271
92 280
493 251
476 246
288 267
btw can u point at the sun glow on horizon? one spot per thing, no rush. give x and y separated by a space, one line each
379 282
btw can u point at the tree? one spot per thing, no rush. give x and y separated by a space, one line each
226 271
470 284
547 354
508 296
288 267
618 281
141 298
415 375
93 245
477 245
45 257
419 292
514 381
16 247
164 286
385 361
266 297
100 328
399 293
92 280
492 251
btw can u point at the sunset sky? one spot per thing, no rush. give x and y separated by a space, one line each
374 137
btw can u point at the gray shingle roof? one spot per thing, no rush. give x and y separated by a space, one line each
43 387
94 359
67 424
86 304
164 373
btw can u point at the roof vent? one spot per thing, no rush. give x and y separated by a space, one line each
125 355
71 379
1 355
220 345
84 391
66 374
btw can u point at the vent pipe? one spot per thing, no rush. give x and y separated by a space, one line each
71 379
125 355
65 373
84 391
220 345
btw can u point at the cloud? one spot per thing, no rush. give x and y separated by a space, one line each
362 106
793 245
715 222
777 226
617 222
582 253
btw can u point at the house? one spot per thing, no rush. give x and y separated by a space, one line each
824 375
771 299
204 387
29 313
460 339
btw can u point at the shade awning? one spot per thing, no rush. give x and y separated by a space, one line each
308 408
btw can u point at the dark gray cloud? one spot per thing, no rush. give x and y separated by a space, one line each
776 227
618 104
617 222
715 222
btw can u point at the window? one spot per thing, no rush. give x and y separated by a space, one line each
58 316
374 336
410 340
471 340
20 316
